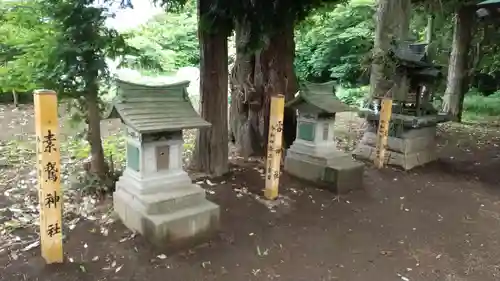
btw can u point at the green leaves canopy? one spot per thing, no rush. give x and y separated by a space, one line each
165 43
27 39
334 43
84 42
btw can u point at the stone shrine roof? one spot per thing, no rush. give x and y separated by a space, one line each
413 56
489 2
490 8
321 96
154 105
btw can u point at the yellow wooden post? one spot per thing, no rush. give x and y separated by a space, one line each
273 162
383 132
49 175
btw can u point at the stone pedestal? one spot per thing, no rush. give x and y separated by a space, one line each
314 157
156 197
412 148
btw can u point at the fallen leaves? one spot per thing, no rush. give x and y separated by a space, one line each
19 182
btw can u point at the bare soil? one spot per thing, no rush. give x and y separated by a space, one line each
439 222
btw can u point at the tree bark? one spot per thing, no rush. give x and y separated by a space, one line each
15 97
97 162
429 36
211 151
255 77
392 23
429 31
458 79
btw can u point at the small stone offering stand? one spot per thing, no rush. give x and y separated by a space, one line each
155 196
314 156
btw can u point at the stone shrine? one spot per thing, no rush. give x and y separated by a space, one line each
412 130
155 196
314 156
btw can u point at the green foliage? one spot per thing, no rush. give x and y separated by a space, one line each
84 43
477 104
165 43
353 96
334 43
114 147
26 40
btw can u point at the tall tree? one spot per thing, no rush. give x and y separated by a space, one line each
84 44
211 151
458 76
392 24
265 50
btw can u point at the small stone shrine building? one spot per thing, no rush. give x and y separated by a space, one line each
412 129
313 155
155 196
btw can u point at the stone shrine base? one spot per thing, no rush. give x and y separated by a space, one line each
415 147
332 170
177 216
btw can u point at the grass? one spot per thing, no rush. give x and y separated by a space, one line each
477 108
480 108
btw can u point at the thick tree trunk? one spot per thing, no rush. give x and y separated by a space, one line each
393 23
211 151
255 77
458 79
97 162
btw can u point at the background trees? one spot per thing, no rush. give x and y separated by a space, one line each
278 44
26 40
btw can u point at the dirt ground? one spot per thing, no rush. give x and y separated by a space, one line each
439 222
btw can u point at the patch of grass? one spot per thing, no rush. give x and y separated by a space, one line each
478 107
79 149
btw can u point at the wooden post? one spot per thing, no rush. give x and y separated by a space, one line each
383 132
273 162
49 175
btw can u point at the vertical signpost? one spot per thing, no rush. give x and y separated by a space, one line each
383 132
273 161
49 178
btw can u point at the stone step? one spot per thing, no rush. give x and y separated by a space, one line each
180 226
184 226
344 175
168 201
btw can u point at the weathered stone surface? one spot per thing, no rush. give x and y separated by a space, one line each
344 175
304 170
340 174
414 148
165 202
405 161
408 133
403 145
169 220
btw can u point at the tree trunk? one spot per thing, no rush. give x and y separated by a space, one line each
15 98
393 23
255 77
429 36
457 81
97 162
429 31
211 151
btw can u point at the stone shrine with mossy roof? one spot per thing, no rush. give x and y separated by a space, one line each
155 196
313 155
